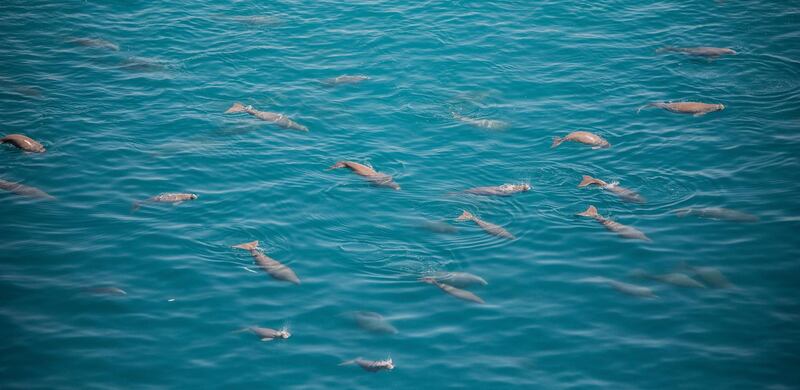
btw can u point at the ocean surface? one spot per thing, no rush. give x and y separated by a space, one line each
140 111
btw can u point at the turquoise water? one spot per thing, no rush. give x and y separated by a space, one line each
122 126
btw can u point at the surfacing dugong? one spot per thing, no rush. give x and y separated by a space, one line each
584 137
709 52
273 267
490 228
614 188
23 142
376 178
268 334
501 190
371 365
272 117
454 291
694 108
345 79
21 189
616 227
166 197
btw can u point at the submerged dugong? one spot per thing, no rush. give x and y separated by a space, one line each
459 279
614 188
712 276
268 334
694 108
272 117
21 189
616 227
166 197
673 278
501 190
718 213
492 124
377 178
584 137
632 289
371 365
454 291
698 51
373 322
96 42
23 142
273 267
486 226
346 79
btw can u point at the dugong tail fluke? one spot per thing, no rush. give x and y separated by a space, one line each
646 106
557 141
235 108
248 246
590 212
588 180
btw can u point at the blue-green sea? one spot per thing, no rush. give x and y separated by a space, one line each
129 99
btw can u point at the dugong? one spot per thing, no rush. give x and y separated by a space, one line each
23 142
454 291
346 79
278 119
21 189
501 190
96 42
673 278
584 137
711 52
712 276
694 108
373 322
616 227
718 213
371 365
486 226
166 197
459 279
268 334
614 188
492 124
377 178
273 267
631 289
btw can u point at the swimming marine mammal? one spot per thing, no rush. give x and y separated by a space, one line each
377 178
694 108
21 189
272 117
371 365
346 79
492 124
273 267
624 193
23 142
459 279
96 42
718 213
584 137
673 278
486 226
501 190
166 197
616 227
268 334
373 322
631 289
699 51
454 291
